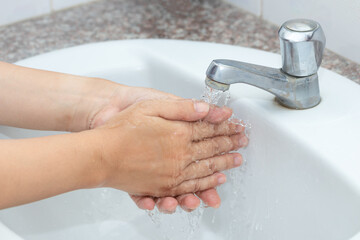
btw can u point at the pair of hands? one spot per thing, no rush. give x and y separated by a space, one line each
145 142
202 147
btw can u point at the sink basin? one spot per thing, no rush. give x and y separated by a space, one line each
301 178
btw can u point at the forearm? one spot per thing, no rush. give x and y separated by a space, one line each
38 168
37 99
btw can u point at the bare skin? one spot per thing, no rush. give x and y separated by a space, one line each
188 202
161 156
55 101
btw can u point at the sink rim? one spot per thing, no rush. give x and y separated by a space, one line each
257 100
260 100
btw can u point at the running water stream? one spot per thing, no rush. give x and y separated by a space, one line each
184 225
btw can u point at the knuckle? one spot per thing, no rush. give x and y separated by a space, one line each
194 168
192 172
215 146
229 161
226 141
143 104
229 143
183 131
213 182
224 127
200 130
233 128
236 141
211 166
229 129
212 129
196 186
193 130
171 183
179 179
172 192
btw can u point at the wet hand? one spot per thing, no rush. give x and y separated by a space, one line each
147 151
190 202
124 97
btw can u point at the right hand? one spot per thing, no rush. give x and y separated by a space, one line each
146 151
121 97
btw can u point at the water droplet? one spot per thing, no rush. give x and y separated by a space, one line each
184 225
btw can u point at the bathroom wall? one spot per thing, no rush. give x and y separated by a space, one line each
340 19
16 10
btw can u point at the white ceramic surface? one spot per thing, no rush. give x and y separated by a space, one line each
301 179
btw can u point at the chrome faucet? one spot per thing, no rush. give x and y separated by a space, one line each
296 84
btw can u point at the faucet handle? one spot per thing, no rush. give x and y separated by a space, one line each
302 44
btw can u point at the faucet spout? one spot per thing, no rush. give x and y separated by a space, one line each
290 91
296 84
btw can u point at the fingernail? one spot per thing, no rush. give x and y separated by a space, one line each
237 161
243 141
221 179
201 106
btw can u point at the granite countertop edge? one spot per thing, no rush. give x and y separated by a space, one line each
211 21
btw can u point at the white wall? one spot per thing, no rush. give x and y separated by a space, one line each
16 10
340 19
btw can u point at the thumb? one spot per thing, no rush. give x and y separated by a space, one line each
177 109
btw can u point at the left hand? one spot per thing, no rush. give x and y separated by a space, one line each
123 97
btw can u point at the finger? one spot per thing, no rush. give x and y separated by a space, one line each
167 204
210 197
202 130
149 94
209 166
217 145
145 203
172 109
217 114
200 184
189 202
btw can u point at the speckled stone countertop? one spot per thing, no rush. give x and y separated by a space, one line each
199 20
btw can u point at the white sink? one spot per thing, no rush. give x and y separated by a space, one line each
301 179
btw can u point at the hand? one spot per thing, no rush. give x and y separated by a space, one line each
131 95
77 103
166 157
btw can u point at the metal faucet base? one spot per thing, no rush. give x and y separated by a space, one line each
296 84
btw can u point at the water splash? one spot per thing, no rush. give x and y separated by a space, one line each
214 96
236 177
221 99
184 225
180 225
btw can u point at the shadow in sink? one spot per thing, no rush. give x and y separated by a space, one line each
158 74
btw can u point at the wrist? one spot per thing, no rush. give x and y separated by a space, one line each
94 171
116 98
95 95
105 167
